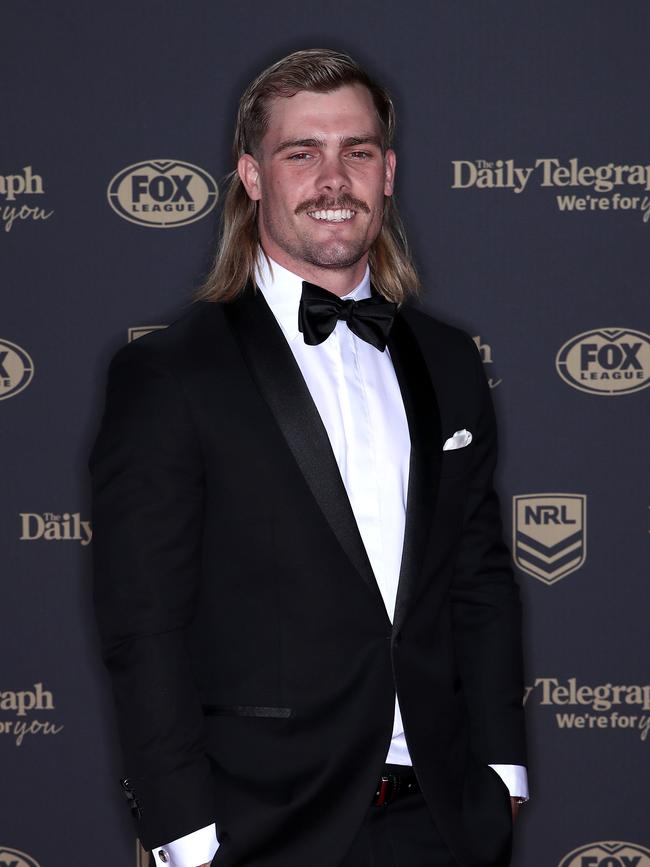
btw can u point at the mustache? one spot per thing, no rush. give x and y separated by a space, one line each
328 203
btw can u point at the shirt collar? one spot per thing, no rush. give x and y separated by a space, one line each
282 290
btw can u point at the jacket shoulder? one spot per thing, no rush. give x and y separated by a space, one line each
184 341
436 336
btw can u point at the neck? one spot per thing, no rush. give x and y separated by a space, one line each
339 281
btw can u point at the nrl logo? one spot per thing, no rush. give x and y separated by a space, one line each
549 534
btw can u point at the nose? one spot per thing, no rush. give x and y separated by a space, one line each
333 176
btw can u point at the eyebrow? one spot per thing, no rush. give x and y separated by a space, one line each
348 141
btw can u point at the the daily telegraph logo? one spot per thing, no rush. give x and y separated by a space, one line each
15 858
13 206
16 369
607 361
485 351
556 174
610 853
549 534
162 193
54 527
581 707
20 710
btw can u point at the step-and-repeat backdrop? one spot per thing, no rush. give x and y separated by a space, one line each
524 180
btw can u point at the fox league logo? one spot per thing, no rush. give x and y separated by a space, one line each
16 370
140 331
608 854
14 858
549 534
607 361
162 193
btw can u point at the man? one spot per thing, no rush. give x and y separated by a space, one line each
305 603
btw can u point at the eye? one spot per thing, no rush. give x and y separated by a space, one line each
360 155
299 157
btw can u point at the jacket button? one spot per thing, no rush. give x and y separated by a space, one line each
163 856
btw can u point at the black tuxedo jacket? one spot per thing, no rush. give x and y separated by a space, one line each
253 662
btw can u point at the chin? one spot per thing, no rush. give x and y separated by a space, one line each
334 255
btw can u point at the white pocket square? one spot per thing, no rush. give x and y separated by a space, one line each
459 440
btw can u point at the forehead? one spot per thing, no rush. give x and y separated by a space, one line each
348 111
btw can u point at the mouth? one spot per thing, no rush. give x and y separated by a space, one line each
340 215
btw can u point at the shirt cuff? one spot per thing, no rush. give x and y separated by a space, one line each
515 778
193 849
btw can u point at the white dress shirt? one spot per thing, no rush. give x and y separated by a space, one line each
358 398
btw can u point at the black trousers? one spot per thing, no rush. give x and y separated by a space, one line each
401 834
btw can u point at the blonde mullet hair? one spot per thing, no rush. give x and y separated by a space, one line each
393 273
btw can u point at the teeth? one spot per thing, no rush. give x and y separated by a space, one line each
332 216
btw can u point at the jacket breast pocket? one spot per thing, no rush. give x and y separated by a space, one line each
249 710
455 462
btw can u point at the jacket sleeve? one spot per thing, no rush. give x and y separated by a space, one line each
485 606
147 496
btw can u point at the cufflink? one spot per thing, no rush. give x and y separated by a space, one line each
163 856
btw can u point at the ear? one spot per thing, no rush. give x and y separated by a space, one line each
390 161
248 170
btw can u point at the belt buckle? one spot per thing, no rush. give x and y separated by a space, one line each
387 790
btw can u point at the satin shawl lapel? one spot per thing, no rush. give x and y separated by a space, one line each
278 377
424 471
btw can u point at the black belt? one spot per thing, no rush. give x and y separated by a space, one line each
396 781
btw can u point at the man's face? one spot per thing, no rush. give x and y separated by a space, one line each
320 178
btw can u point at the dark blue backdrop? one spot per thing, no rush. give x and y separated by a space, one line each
89 90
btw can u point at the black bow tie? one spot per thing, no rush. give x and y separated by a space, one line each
370 319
